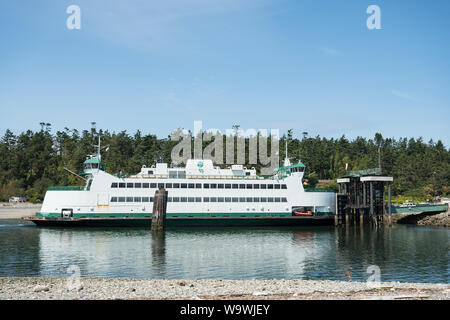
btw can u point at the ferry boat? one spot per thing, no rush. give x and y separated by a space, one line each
199 194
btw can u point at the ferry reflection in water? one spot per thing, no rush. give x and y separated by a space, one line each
402 253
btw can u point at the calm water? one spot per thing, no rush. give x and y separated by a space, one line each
403 253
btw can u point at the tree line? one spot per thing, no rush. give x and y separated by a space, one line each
32 161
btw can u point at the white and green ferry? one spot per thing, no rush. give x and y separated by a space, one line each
199 194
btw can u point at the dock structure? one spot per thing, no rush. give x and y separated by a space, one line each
362 198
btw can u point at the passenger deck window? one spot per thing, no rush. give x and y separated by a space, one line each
249 199
198 185
264 186
138 185
145 185
114 185
130 185
129 199
137 199
277 186
183 185
235 186
121 199
206 186
283 186
168 185
220 186
160 185
283 200
152 185
121 184
205 199
145 199
256 186
270 186
114 199
249 186
176 185
191 186
213 186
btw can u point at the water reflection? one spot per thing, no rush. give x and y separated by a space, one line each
402 253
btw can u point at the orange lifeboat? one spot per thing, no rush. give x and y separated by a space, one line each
299 213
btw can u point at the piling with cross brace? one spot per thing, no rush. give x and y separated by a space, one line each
159 210
364 198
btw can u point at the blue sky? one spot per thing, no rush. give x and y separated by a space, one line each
310 65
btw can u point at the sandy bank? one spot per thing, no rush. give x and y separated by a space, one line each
100 288
19 210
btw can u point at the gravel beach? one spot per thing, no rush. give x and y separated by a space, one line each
102 288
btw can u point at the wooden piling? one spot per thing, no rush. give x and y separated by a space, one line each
159 210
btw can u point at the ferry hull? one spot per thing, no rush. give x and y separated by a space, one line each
186 222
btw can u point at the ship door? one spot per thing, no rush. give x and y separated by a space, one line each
66 213
103 202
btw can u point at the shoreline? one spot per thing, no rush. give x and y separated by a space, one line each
18 211
41 288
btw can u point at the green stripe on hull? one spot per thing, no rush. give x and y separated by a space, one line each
178 215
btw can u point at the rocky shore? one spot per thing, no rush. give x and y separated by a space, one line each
429 219
102 288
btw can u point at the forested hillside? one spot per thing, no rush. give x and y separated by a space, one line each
32 161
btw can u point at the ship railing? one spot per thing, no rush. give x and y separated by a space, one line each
66 188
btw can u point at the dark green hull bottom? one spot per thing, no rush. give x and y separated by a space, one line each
185 222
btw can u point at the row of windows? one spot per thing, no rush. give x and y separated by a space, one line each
198 185
199 199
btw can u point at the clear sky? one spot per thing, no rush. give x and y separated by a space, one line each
310 65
